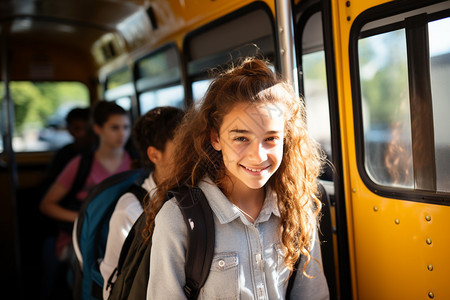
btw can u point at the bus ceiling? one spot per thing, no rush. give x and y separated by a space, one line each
100 29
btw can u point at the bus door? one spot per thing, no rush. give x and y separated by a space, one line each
387 72
316 73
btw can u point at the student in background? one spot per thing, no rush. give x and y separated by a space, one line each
153 134
111 124
79 126
248 149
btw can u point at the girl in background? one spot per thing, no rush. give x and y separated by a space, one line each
111 124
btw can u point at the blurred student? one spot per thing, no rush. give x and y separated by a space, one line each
78 125
153 134
111 124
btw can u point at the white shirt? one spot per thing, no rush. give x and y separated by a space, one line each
126 212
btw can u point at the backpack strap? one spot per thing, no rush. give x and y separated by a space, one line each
201 236
292 278
84 168
69 201
139 192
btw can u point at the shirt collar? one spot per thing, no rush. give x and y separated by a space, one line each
226 212
150 185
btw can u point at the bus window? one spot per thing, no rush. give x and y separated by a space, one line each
440 89
314 83
385 108
119 88
199 89
171 96
246 32
316 98
40 109
404 66
158 79
125 102
119 78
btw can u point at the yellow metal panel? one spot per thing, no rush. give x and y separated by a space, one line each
394 244
389 254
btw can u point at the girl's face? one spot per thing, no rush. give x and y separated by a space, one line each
251 141
115 131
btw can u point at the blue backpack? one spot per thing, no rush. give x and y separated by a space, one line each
92 225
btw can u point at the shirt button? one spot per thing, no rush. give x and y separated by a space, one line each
221 263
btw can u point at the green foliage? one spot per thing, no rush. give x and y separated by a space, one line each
34 103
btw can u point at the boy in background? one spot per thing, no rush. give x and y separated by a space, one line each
152 134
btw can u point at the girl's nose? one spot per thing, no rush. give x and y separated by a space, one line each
257 152
124 132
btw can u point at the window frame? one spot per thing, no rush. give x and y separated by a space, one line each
424 192
145 84
198 64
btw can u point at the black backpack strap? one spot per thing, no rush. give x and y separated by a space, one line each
201 236
69 201
133 266
292 278
139 192
84 168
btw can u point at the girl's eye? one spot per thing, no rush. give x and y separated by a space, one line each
272 139
240 139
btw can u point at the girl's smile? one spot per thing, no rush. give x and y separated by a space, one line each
256 170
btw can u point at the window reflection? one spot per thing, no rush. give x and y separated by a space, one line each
385 109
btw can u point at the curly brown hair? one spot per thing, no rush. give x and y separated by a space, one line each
295 182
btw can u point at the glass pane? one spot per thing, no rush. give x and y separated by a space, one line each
40 109
199 89
385 108
315 87
440 89
163 64
316 99
171 96
119 78
124 102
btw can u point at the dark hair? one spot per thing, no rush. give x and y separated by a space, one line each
78 113
104 109
155 128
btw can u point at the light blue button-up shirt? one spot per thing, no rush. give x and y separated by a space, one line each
248 259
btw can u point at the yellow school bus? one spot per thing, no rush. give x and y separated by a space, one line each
374 75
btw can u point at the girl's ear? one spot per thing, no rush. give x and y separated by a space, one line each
153 154
97 129
215 141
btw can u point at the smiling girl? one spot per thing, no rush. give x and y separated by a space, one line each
248 150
